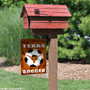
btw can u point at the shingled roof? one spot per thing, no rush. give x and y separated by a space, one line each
46 10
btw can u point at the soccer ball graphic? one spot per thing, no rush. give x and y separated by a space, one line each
33 58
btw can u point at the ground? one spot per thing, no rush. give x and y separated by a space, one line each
65 70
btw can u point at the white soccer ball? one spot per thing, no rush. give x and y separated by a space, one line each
33 58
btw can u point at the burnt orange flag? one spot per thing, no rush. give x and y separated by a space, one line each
33 56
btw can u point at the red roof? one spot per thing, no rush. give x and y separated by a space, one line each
46 10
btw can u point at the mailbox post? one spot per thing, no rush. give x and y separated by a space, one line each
47 20
53 80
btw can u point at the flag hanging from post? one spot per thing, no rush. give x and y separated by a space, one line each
33 56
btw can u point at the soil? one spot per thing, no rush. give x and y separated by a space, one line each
65 70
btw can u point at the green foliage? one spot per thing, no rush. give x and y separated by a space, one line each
6 2
12 3
76 47
70 46
31 1
85 25
85 29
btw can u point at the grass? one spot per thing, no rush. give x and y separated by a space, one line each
11 80
11 33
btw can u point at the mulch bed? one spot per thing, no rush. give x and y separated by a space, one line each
65 71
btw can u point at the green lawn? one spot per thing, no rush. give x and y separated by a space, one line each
26 82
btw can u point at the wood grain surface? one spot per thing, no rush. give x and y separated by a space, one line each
53 81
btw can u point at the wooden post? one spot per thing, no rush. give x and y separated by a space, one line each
53 81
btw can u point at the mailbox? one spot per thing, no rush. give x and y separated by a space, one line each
45 19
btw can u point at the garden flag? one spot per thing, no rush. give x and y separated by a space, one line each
33 56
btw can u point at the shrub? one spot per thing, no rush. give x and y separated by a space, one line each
70 47
12 3
85 28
